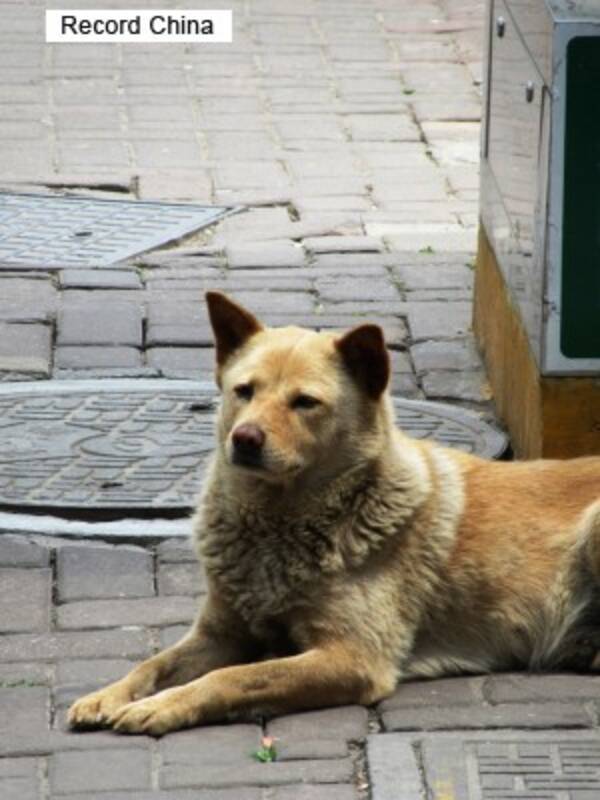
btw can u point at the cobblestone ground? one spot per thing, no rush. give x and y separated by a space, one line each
349 130
74 615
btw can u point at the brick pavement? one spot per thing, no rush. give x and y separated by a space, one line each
75 615
348 130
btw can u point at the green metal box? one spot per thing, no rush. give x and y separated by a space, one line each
540 173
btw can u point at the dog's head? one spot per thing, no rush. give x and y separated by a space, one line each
294 400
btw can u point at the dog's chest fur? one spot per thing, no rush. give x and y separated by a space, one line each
267 561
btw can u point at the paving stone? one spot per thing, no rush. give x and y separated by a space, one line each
460 354
133 643
437 236
414 258
195 186
93 298
342 244
360 289
175 551
296 126
507 715
91 357
347 722
96 771
40 741
401 363
250 174
323 792
21 551
450 107
243 793
260 302
389 758
23 711
103 572
249 773
405 385
382 127
394 329
178 324
327 186
435 694
427 198
442 295
523 687
22 674
277 279
181 579
20 778
95 373
148 611
434 277
211 746
25 349
351 263
183 362
170 263
27 299
312 225
337 203
472 385
76 678
295 749
439 320
25 600
100 279
94 324
255 255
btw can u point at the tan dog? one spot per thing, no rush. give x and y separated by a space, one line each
343 556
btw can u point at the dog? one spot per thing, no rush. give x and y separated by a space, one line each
343 557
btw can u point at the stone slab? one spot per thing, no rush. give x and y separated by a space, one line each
25 600
103 572
25 349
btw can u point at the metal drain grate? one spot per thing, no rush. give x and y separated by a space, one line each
141 444
488 765
40 231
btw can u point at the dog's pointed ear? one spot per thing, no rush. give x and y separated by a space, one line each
231 324
366 357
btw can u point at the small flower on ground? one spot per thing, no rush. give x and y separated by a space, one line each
266 752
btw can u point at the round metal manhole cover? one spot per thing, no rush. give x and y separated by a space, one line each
140 446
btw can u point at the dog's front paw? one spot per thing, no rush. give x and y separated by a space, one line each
166 711
94 710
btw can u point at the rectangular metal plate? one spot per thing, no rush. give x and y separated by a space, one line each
580 318
46 231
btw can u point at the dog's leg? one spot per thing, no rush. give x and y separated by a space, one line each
333 675
216 640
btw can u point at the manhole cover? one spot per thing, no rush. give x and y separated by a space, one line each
41 231
493 765
139 446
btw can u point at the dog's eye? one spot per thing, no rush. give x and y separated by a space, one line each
244 391
305 401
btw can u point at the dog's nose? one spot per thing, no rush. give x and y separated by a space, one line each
248 441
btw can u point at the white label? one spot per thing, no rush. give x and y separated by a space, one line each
100 25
